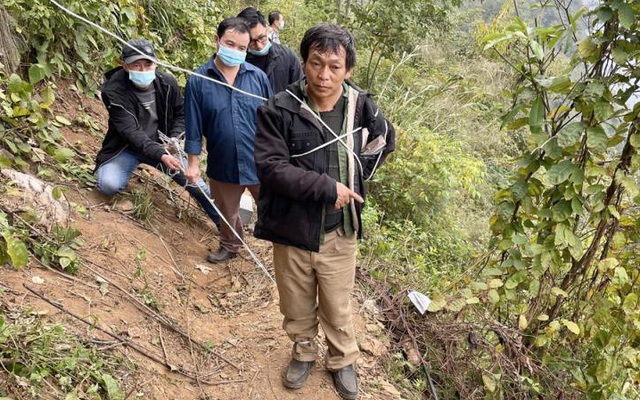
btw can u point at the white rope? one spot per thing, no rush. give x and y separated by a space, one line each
326 144
175 145
331 131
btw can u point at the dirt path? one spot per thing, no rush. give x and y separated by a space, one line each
150 284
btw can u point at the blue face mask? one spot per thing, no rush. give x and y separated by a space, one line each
262 52
142 79
230 57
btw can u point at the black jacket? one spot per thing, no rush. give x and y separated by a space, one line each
282 67
124 110
295 190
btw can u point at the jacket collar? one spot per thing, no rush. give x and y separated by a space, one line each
292 104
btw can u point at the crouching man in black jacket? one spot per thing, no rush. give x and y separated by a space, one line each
316 144
142 102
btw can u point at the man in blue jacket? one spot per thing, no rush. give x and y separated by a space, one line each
142 102
276 60
227 119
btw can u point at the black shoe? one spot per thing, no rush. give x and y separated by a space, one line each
346 382
221 255
297 373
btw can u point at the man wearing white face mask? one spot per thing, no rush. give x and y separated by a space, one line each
279 62
142 101
227 119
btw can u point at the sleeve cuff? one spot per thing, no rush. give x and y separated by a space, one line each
193 146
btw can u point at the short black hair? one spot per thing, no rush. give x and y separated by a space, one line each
232 24
253 16
329 38
274 16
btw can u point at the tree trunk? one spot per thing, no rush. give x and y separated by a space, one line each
9 55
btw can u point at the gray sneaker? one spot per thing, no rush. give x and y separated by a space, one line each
297 373
346 382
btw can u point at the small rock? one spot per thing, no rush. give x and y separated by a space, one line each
374 347
390 390
124 206
38 280
372 328
29 193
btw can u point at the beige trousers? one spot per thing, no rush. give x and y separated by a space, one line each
227 197
315 287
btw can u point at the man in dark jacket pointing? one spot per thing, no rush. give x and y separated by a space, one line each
316 144
142 102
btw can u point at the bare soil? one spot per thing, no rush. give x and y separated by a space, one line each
214 330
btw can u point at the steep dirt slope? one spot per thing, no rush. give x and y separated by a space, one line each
217 327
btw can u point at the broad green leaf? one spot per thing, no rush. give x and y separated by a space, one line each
493 296
64 262
541 340
536 115
66 251
605 13
456 305
572 326
57 192
629 184
603 110
111 387
619 241
473 300
48 97
130 13
16 249
553 327
522 322
63 154
597 138
635 140
560 84
508 117
63 120
588 50
493 39
437 304
489 382
560 172
556 291
15 84
537 50
543 317
630 303
607 264
36 73
620 277
625 13
620 55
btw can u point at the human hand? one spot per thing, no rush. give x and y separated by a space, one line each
193 172
345 195
171 162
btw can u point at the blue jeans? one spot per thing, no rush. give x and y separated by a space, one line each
114 175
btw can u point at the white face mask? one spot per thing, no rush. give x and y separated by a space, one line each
282 24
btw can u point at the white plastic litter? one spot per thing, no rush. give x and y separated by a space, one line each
419 300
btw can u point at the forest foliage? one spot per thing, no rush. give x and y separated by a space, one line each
511 199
